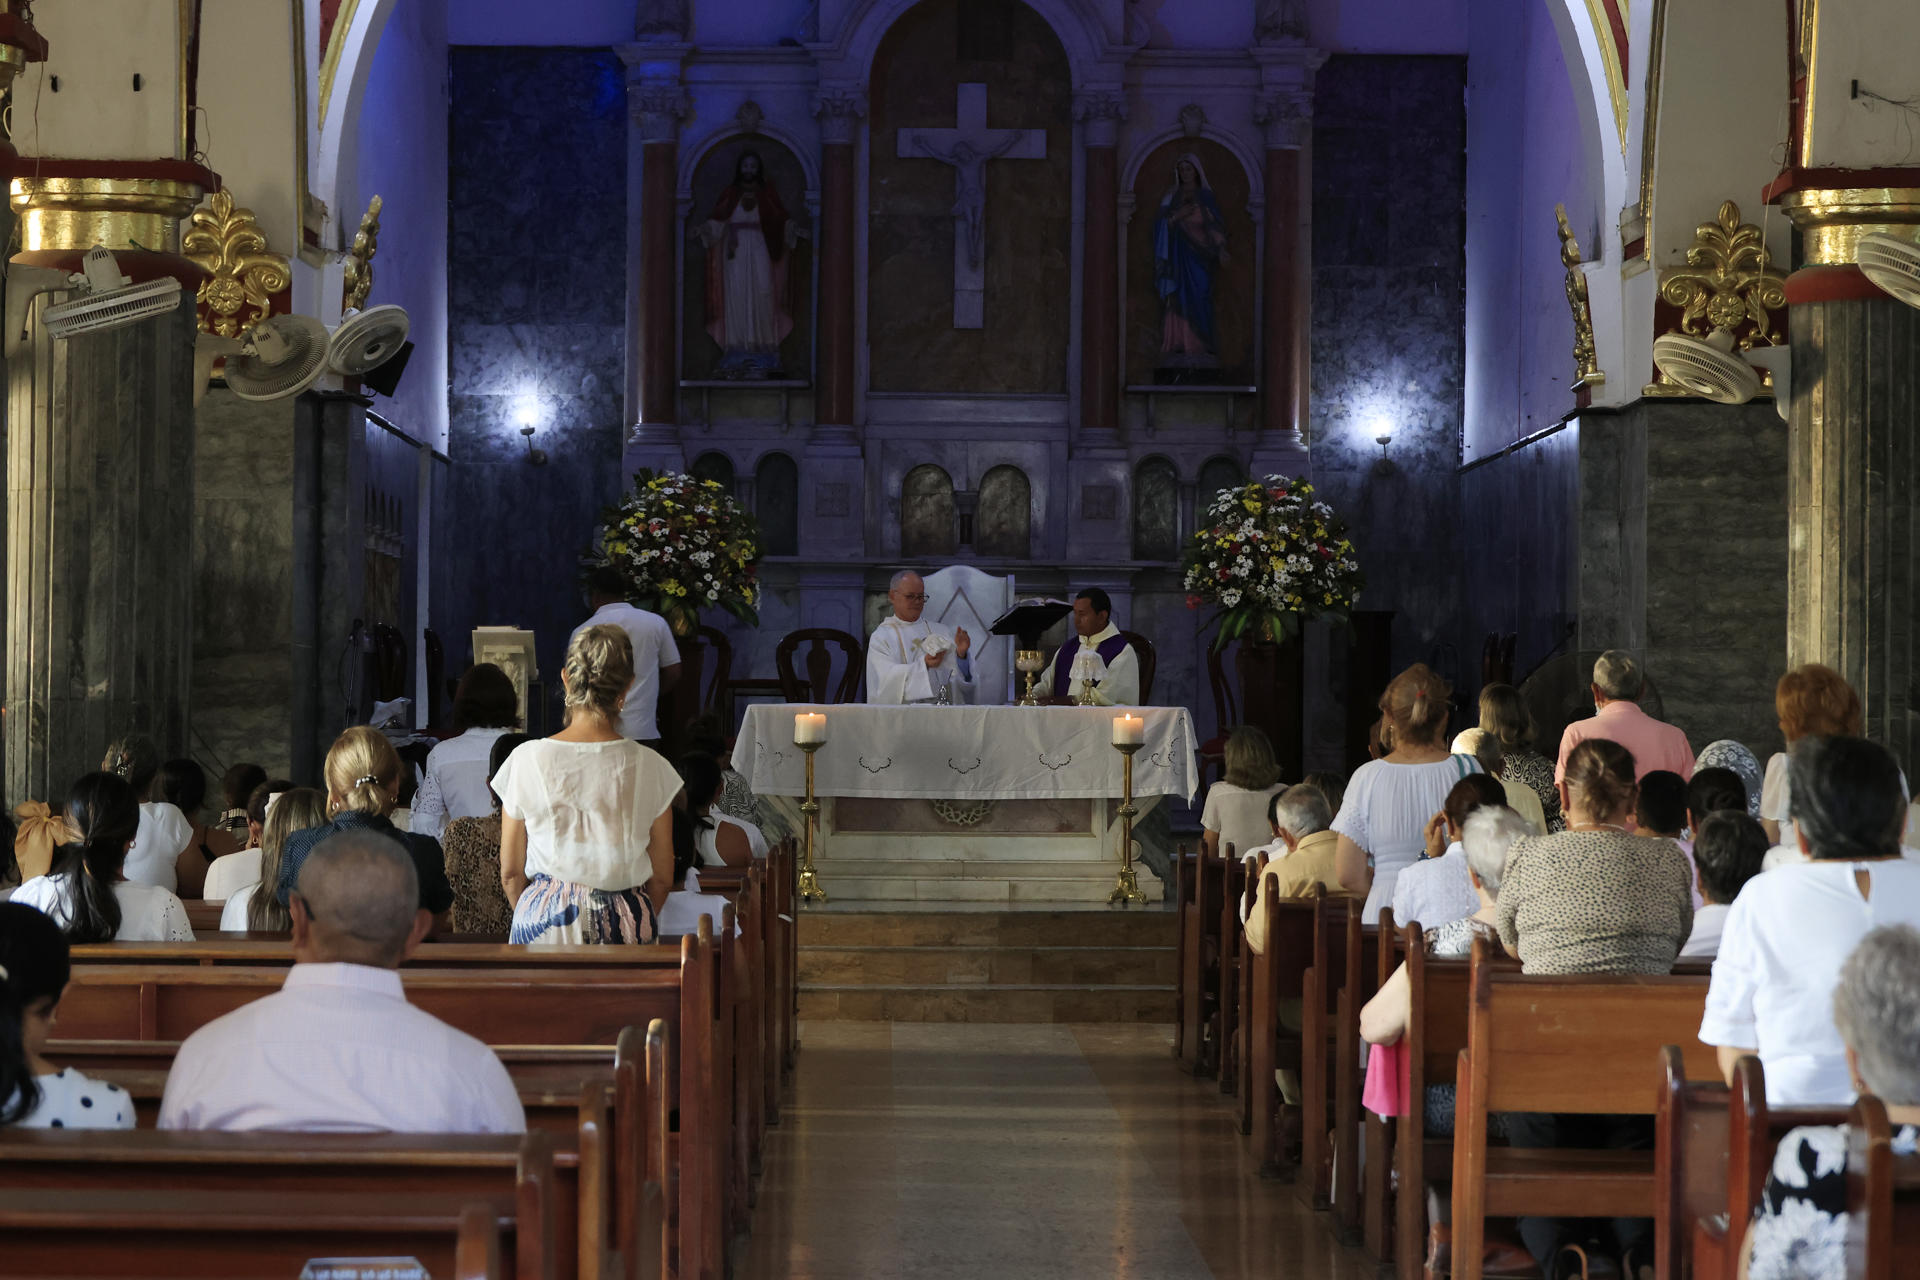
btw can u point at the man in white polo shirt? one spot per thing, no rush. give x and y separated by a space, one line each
656 659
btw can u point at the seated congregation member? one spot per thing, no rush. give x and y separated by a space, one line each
707 735
1236 808
1787 934
1811 701
1728 848
1300 818
338 1049
35 1094
251 908
1713 789
472 846
37 833
87 892
586 828
1596 898
363 787
235 786
1095 633
686 906
164 831
913 659
1504 714
1332 785
229 875
1728 756
183 784
1800 1230
1486 748
1383 819
1437 889
485 707
1617 687
721 841
1660 809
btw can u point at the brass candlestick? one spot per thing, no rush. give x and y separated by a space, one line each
810 890
1033 662
1126 889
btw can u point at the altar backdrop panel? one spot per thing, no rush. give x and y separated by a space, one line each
537 304
1028 236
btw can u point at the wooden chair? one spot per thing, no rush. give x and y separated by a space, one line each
815 686
1361 979
1240 1046
1143 650
1883 1198
715 673
1336 934
1213 752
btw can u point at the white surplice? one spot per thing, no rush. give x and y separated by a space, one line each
1120 687
897 669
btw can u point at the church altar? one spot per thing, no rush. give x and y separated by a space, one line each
968 803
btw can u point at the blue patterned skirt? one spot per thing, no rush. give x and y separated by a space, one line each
559 912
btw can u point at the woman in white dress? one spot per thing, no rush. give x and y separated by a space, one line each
1236 809
485 706
586 829
720 839
34 1094
87 892
248 909
1383 817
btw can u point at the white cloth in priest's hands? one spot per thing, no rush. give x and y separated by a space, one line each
935 644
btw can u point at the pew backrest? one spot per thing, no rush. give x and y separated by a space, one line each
1883 1198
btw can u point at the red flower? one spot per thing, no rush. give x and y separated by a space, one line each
1194 602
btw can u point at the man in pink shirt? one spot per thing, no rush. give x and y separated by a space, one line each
1617 685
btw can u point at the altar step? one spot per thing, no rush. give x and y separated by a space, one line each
975 880
987 966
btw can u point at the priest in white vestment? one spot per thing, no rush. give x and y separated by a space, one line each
1108 652
913 660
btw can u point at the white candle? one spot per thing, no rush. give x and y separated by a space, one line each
1129 730
810 726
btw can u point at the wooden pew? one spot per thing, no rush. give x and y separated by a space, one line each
1587 1044
1336 922
518 1171
1362 977
84 1235
1376 1193
204 916
1189 1013
1278 975
543 1003
1883 1198
1233 888
1241 1045
1435 1037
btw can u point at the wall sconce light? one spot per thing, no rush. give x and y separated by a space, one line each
526 411
1384 439
538 457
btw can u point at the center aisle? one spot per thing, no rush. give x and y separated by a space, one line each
920 1150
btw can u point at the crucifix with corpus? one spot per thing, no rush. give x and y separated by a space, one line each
968 148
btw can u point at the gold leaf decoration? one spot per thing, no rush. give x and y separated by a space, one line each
243 275
366 242
1729 283
1586 361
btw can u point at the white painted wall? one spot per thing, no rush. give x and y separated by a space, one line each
402 156
95 49
1872 41
248 104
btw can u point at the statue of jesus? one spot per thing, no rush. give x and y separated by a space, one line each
747 235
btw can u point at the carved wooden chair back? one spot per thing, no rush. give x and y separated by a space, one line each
817 683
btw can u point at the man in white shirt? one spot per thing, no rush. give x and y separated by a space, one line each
338 1049
656 658
910 659
1093 625
1728 849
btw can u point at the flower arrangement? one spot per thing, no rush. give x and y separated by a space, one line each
683 544
1270 556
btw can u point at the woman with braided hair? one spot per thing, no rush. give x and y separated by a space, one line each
586 816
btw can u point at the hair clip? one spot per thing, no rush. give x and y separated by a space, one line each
365 779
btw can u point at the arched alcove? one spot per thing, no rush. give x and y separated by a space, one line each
717 185
1156 510
1217 473
776 501
1191 263
926 513
713 465
1003 522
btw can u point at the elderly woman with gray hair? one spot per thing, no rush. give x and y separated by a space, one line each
1800 1230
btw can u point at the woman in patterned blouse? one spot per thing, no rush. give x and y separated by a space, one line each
473 858
1504 714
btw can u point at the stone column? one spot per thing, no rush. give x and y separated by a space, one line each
1854 495
832 490
1285 286
658 107
100 455
1100 112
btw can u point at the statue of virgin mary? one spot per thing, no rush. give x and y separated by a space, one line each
1189 247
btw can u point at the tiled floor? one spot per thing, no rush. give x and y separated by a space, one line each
925 1151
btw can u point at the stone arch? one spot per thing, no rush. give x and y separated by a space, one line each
1156 509
851 49
1251 164
344 63
1003 520
776 504
805 153
1222 471
1596 60
714 465
927 529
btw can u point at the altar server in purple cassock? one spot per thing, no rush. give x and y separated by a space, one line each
1095 632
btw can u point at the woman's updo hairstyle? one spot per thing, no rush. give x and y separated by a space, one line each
1415 706
363 772
103 813
598 670
136 759
1813 701
1600 777
1847 798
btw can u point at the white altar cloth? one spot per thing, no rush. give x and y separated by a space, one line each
977 753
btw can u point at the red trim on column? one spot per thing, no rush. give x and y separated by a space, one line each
658 386
1843 283
1283 361
164 170
835 406
1099 281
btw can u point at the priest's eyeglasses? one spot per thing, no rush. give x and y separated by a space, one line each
918 597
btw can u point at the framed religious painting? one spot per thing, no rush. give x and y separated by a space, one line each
747 294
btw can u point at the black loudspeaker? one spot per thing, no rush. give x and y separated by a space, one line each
387 377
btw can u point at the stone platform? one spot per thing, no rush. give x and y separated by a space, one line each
940 964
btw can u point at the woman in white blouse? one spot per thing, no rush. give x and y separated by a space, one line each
485 706
720 840
34 1094
87 893
1383 818
164 832
1236 809
250 909
1787 934
586 832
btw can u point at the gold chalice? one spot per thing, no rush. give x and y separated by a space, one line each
1033 662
